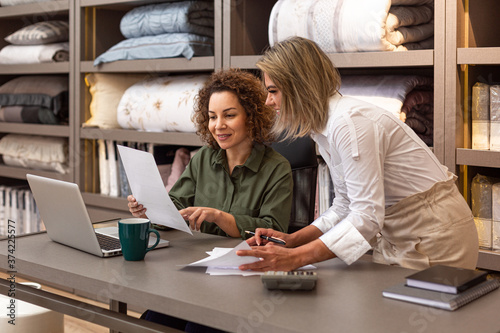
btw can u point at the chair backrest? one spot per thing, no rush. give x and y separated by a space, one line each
301 153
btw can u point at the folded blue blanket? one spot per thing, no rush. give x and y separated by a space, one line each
195 17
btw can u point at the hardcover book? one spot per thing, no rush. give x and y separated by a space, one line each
437 299
446 279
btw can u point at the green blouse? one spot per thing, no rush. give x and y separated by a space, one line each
258 193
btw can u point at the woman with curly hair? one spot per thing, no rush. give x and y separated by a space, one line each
234 183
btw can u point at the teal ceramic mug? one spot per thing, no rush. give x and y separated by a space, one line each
134 238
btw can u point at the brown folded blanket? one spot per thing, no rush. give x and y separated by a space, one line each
418 113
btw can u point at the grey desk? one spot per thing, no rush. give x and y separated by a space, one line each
347 298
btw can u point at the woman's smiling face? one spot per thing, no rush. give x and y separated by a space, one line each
273 94
227 121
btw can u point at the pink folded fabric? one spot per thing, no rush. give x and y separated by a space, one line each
181 160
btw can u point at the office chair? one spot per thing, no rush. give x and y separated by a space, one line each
301 153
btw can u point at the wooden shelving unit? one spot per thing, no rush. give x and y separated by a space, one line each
473 54
466 48
11 19
97 23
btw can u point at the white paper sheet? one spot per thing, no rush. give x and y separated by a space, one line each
147 187
228 259
225 261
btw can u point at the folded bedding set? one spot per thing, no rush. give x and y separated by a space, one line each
409 97
41 42
164 30
355 25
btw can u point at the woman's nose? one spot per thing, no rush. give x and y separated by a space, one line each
269 100
220 123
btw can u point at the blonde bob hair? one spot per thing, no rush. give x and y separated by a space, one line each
307 79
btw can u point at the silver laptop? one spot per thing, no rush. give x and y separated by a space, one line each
67 221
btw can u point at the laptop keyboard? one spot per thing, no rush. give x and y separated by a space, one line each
108 243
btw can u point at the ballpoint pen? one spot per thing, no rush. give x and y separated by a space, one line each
271 239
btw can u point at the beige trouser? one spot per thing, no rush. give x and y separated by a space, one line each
429 228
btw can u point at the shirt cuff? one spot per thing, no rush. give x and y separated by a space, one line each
326 221
346 242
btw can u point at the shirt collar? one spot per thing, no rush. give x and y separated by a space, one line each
253 161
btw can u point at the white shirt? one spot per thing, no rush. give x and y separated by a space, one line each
375 160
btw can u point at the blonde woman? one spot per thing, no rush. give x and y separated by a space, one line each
392 195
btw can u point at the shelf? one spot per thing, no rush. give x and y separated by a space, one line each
91 3
169 138
489 259
478 56
474 157
46 68
152 66
420 58
52 7
20 173
35 129
104 201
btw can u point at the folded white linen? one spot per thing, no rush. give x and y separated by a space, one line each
34 54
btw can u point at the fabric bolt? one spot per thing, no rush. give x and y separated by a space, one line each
160 104
195 17
369 152
258 194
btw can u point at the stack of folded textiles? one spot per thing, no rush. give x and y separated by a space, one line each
164 30
37 43
355 26
35 99
6 3
409 97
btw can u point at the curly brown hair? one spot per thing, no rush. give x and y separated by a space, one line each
252 97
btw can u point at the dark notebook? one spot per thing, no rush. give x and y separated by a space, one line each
437 299
446 279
